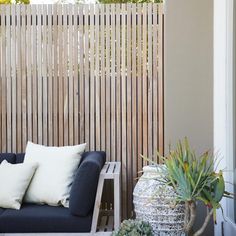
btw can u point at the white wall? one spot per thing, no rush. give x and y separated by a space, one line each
188 72
224 101
220 87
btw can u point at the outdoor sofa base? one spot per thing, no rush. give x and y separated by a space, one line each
34 219
42 219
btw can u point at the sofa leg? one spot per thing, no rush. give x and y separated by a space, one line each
111 170
97 204
117 215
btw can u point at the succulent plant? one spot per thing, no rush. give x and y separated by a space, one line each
194 179
134 228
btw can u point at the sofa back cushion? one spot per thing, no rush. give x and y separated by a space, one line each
84 187
20 158
1 210
9 157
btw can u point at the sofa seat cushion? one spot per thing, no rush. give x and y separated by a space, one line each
42 219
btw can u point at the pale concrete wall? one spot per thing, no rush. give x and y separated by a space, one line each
188 78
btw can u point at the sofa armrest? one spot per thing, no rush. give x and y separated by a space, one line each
84 187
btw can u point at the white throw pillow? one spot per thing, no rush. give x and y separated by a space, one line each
52 182
14 180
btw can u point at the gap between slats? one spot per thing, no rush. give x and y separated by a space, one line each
84 73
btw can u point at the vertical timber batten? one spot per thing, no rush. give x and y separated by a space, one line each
84 73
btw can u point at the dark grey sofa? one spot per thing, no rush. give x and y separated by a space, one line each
32 218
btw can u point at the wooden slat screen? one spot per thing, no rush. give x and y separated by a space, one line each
84 73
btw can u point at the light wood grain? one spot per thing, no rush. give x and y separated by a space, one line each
150 82
14 81
124 112
87 76
139 89
39 74
49 73
103 80
34 77
134 96
92 41
45 60
97 80
145 82
108 83
155 79
129 110
118 84
3 81
19 85
76 75
55 75
70 78
81 75
65 58
8 78
60 77
84 73
23 75
29 81
160 80
113 84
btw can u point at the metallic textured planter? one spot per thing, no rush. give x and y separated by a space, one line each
154 202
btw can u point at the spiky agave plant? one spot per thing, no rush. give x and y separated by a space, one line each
194 179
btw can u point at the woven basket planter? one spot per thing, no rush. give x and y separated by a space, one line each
155 202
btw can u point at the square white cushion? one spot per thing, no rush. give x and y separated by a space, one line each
14 180
52 182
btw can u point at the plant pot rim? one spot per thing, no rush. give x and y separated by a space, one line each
155 169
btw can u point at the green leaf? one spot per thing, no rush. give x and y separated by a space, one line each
193 177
